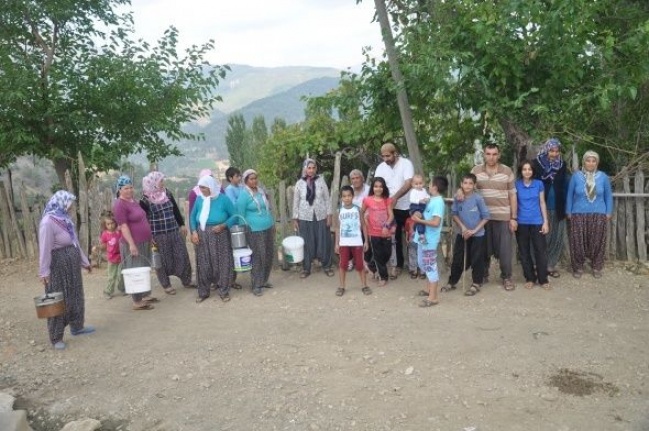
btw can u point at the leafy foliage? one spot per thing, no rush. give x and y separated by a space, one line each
74 80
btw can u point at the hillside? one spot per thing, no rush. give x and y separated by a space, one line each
245 84
287 104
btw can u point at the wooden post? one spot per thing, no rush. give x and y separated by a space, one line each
335 186
612 237
283 217
6 223
620 229
290 192
84 238
640 216
14 223
30 234
630 225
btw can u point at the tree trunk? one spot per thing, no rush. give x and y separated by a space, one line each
61 165
402 95
518 139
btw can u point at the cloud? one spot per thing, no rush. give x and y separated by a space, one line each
267 33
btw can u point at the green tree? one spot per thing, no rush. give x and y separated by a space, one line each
236 140
74 80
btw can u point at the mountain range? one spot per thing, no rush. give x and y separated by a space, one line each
250 91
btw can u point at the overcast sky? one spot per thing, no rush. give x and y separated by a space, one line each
267 33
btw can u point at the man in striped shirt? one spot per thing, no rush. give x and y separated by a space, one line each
496 185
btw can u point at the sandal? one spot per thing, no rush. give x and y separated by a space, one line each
267 286
236 286
427 303
529 285
366 290
150 299
422 293
143 307
393 274
225 298
578 274
508 285
199 299
330 272
554 273
169 290
448 288
413 275
422 276
382 283
547 286
340 291
597 274
305 274
472 290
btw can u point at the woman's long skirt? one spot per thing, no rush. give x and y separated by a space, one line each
554 239
262 244
317 243
141 260
214 262
175 258
587 240
65 276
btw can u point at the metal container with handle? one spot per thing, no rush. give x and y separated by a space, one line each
49 305
238 234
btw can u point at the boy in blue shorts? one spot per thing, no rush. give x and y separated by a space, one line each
427 249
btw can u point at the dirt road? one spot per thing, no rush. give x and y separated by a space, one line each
300 358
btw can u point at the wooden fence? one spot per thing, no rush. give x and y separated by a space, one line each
628 231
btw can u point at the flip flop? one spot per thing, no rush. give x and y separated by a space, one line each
340 291
330 272
150 299
143 307
422 293
170 290
366 290
554 273
199 299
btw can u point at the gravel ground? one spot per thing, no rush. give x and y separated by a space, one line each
300 358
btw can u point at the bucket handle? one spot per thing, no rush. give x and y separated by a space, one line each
130 256
47 295
245 222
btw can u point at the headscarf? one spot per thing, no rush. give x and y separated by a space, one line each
215 188
123 180
550 167
201 174
310 181
591 191
254 195
152 188
57 208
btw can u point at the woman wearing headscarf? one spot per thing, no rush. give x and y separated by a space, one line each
253 206
212 215
60 263
168 231
135 244
589 207
312 218
195 192
550 169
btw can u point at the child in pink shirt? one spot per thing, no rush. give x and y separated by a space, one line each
109 238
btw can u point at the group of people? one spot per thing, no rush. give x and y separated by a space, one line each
491 207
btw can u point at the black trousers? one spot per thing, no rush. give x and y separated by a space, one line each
529 237
400 217
378 255
475 259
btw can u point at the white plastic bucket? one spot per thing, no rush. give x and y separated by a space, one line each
137 280
242 259
293 249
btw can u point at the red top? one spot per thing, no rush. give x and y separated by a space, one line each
111 239
376 214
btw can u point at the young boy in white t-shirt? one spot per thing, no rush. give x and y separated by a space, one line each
349 239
